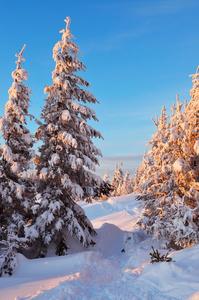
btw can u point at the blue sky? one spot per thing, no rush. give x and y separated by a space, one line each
139 55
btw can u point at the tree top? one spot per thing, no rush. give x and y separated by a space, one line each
196 74
20 57
68 21
66 31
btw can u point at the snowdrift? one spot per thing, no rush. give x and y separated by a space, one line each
117 267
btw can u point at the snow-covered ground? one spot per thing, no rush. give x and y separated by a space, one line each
117 267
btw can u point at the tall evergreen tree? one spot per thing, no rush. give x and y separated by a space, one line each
171 206
68 154
192 111
150 174
16 192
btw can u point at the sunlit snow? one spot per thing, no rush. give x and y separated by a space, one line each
117 267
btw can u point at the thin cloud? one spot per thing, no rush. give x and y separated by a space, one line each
130 159
147 8
143 115
135 11
129 162
116 41
164 7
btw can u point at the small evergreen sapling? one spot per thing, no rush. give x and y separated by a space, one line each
157 257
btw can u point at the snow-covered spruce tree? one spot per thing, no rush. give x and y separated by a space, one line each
142 174
67 154
114 179
192 129
117 180
106 176
171 193
192 112
136 180
150 175
127 186
16 192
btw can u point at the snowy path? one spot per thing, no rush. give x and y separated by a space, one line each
117 267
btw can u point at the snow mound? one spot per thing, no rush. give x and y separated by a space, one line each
112 240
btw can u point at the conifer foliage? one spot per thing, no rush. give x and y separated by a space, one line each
104 190
127 186
16 193
168 179
117 180
68 156
121 185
